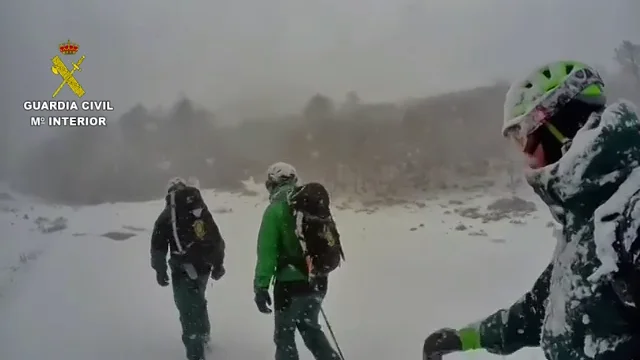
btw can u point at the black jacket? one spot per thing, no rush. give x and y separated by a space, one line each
163 241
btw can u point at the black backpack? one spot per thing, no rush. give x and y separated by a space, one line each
195 234
315 228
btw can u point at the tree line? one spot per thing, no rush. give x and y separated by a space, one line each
355 147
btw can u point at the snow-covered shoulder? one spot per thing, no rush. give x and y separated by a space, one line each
607 215
606 223
573 172
611 114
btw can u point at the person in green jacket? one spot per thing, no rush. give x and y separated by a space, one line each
585 165
296 302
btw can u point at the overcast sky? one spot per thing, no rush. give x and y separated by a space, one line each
216 51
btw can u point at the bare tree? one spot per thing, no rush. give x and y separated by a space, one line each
351 101
628 56
319 108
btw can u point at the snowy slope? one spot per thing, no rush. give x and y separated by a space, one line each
84 296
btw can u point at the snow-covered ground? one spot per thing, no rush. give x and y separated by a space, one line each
74 294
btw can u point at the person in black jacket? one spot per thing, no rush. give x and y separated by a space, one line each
187 228
584 158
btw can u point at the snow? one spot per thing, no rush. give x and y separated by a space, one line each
193 181
605 231
594 347
281 170
408 272
164 165
571 177
570 170
566 179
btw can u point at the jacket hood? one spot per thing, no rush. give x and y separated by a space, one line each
281 191
601 157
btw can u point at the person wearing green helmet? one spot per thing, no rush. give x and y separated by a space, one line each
585 165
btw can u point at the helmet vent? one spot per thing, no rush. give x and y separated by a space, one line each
546 73
528 85
568 68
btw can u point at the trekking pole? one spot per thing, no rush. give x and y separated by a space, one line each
333 336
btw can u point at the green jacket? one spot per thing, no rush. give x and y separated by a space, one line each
278 243
578 308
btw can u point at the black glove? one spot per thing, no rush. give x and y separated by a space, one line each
162 278
218 272
263 300
441 342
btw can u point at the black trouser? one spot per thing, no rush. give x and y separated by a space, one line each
298 307
189 297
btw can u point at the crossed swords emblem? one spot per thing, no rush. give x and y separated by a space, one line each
59 68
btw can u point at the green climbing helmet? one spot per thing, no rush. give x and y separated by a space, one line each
530 102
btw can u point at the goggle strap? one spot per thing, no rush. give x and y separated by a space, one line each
556 133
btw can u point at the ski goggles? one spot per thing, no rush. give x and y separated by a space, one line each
531 145
524 131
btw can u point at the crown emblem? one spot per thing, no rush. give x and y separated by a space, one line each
69 48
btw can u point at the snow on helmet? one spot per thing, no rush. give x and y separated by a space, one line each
280 173
175 183
532 101
193 182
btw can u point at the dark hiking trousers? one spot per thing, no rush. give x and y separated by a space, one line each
189 296
300 312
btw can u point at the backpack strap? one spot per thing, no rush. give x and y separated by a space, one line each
284 260
307 263
174 223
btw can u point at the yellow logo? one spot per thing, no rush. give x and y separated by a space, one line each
331 240
199 229
59 68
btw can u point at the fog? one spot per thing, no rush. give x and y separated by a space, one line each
219 51
240 58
